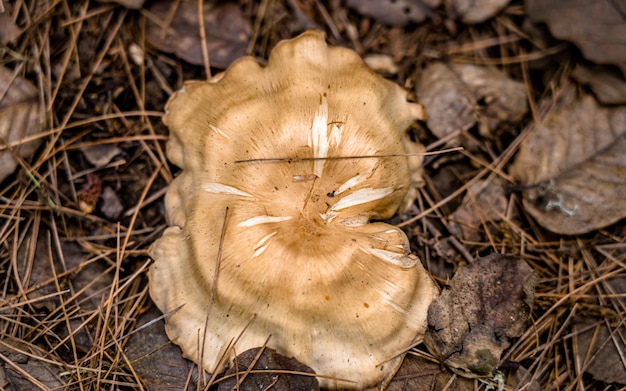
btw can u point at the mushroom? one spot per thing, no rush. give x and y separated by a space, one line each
283 168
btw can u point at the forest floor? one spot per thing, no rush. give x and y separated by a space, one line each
80 211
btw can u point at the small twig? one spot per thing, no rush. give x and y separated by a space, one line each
308 159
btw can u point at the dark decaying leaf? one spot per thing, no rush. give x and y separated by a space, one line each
395 12
227 31
457 96
599 352
27 371
474 11
484 306
156 359
418 373
608 85
573 166
597 27
600 337
263 378
20 117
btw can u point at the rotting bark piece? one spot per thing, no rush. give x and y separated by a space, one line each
298 258
484 306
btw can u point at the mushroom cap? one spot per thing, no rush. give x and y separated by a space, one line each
263 198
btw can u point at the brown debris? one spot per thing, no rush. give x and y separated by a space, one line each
479 312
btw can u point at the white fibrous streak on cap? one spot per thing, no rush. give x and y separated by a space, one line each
251 222
398 259
320 139
350 183
219 131
361 196
262 244
220 188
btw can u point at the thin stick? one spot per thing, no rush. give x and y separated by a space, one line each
307 159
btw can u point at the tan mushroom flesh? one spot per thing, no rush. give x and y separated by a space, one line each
263 196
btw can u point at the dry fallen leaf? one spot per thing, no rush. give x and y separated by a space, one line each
484 202
483 307
474 11
268 360
457 96
573 166
597 27
395 12
227 31
20 117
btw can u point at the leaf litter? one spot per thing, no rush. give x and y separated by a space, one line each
572 165
74 313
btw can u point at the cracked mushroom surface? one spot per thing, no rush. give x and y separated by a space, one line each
283 168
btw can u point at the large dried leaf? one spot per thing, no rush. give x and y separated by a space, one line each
20 117
227 31
457 96
483 307
597 27
573 166
474 11
395 12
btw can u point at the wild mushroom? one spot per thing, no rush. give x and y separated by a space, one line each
284 166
